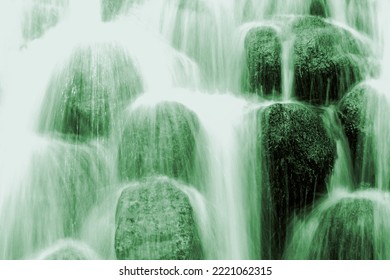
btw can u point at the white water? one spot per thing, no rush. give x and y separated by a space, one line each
172 47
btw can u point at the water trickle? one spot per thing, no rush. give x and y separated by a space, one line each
345 225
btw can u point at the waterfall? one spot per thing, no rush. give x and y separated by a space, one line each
194 129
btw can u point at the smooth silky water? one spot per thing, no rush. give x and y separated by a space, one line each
104 98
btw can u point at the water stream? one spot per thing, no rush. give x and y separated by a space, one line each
251 110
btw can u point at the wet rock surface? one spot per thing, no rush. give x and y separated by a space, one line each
327 59
263 47
299 156
155 221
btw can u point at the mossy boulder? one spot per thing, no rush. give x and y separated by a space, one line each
263 50
361 114
299 156
155 221
345 231
159 139
86 96
344 226
327 59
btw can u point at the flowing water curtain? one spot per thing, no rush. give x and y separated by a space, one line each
342 173
159 138
40 15
360 15
49 192
253 10
98 228
68 249
363 112
347 226
26 20
200 29
86 96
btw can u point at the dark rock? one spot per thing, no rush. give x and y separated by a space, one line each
299 156
68 250
42 15
263 48
155 221
319 8
362 113
328 60
159 139
84 98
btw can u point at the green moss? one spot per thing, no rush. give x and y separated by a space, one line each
327 60
263 48
299 157
154 221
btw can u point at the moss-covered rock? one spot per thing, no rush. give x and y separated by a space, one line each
345 231
159 139
85 97
155 221
327 59
362 113
263 48
319 8
344 226
299 156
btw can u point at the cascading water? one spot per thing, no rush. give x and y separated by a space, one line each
194 129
